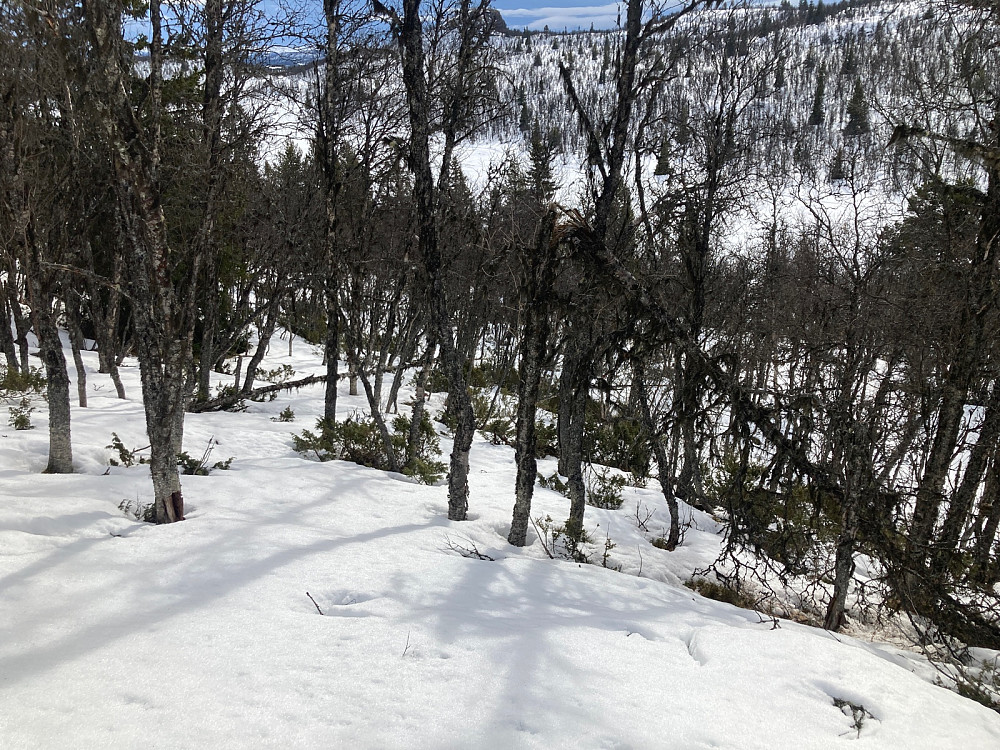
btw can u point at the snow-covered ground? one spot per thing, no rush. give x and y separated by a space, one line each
118 634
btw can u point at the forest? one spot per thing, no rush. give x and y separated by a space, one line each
743 253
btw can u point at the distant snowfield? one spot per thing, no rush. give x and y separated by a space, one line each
199 634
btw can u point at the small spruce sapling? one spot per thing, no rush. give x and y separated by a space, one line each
604 489
605 557
137 511
199 466
126 456
20 416
286 415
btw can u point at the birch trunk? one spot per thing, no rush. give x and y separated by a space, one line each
533 346
57 390
163 298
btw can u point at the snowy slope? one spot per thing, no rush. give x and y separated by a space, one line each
119 634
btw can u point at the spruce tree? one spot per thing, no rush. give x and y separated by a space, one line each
816 116
837 169
540 151
663 160
857 112
850 64
524 121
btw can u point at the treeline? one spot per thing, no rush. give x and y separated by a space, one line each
775 345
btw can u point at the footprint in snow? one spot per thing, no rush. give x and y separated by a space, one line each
341 603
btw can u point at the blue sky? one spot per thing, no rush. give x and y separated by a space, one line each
533 14
557 14
574 14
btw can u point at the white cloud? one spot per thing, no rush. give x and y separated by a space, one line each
578 17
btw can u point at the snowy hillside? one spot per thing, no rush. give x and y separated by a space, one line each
785 76
738 271
116 633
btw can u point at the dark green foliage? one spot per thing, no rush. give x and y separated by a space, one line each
604 489
437 380
135 510
500 431
360 442
683 131
482 403
15 381
721 592
606 556
280 374
357 439
619 442
227 390
190 465
424 468
524 119
942 222
559 541
779 75
19 387
980 683
554 483
933 247
308 321
663 159
837 170
786 525
199 466
850 65
541 150
286 415
858 122
447 418
816 115
494 413
126 456
546 439
20 415
491 375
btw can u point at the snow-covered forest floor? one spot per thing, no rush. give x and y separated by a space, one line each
117 633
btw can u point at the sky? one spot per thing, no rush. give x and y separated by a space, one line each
570 14
533 14
557 14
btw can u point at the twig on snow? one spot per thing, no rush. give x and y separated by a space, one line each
471 551
543 538
314 603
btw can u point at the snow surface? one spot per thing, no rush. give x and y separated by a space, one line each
200 634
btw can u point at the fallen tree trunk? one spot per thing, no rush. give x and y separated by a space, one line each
231 399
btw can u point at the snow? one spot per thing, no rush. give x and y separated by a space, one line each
115 633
